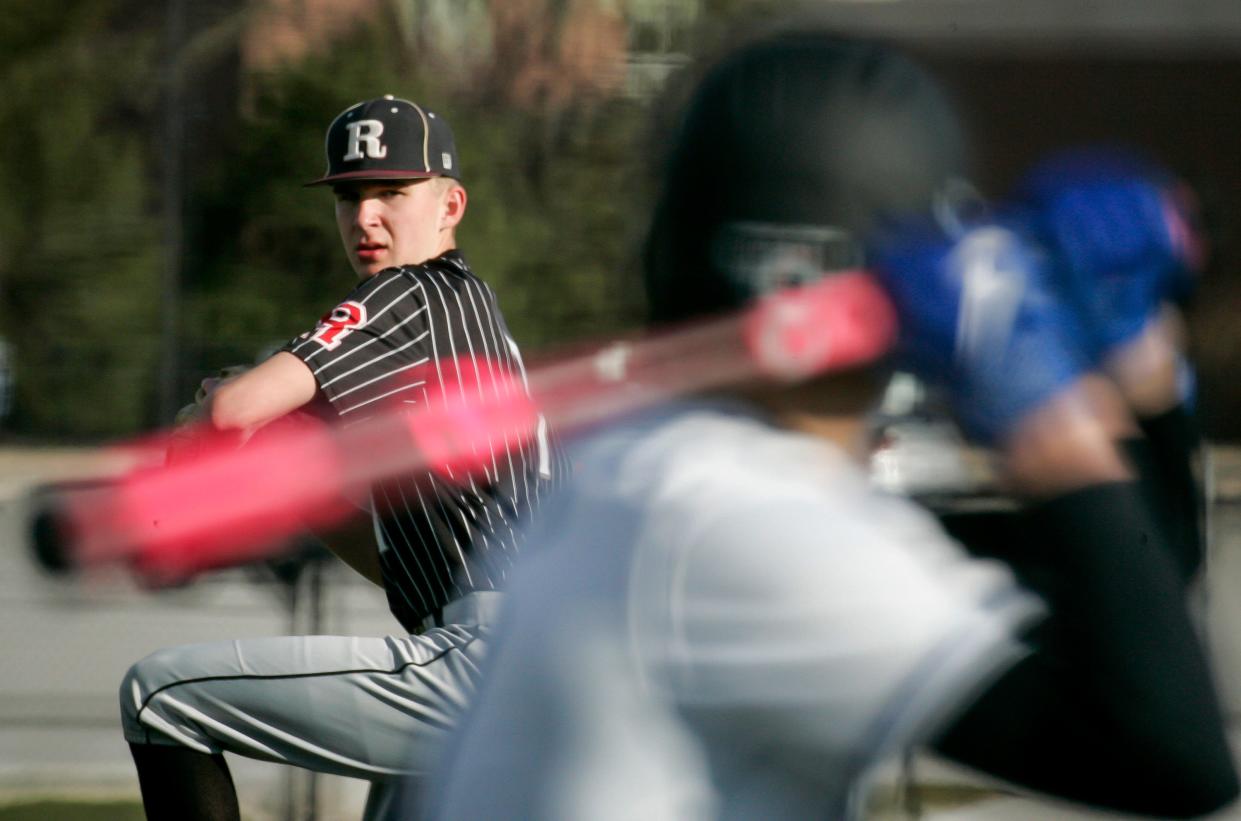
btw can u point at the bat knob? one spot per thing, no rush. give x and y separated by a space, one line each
50 540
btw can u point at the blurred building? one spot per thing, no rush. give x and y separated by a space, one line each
1163 75
531 52
276 32
660 42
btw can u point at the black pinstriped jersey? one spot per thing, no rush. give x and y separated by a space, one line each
439 536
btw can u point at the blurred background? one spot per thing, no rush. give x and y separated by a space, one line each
154 228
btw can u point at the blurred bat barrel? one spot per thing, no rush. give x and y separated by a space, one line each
226 504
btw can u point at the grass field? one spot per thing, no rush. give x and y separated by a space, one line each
51 810
886 805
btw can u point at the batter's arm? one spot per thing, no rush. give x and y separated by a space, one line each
280 385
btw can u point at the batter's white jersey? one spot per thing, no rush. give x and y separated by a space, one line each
727 621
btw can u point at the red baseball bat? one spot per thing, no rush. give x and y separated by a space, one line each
226 504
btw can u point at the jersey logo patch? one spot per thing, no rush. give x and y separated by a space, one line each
338 323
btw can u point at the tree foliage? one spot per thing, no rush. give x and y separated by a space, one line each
553 220
79 249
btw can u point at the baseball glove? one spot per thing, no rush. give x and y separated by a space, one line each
190 423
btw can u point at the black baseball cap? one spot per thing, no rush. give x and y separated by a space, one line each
838 137
388 138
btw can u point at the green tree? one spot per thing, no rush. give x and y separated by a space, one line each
78 237
558 202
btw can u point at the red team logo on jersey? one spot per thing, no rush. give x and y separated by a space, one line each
339 323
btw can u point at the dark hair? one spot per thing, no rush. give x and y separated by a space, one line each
806 130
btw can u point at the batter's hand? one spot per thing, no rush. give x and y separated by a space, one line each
977 316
